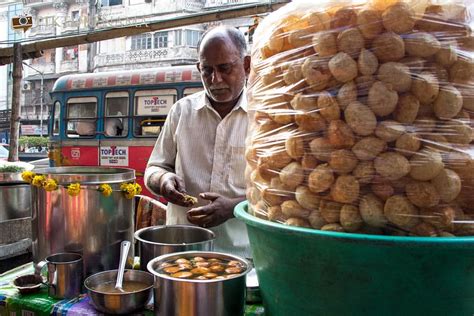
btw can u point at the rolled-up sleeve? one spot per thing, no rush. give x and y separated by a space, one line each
163 156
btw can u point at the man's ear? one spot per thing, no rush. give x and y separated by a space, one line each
247 60
198 66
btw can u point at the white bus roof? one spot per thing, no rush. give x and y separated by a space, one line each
136 77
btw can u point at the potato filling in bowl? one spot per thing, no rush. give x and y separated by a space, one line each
199 268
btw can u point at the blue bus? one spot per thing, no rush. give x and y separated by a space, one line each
113 118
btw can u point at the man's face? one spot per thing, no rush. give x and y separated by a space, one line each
223 71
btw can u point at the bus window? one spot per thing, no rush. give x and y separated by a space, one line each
56 115
151 108
81 117
189 91
116 114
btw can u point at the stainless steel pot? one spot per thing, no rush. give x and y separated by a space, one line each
15 195
119 303
155 241
90 223
182 297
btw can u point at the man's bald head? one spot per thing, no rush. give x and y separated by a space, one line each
224 65
222 32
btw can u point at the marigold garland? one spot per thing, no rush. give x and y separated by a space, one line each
38 181
74 189
105 189
130 189
28 176
50 185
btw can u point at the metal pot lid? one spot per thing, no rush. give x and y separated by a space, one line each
88 175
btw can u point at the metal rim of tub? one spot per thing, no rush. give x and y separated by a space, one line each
88 175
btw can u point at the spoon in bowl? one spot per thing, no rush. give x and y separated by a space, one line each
124 248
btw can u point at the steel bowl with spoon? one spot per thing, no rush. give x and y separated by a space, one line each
109 295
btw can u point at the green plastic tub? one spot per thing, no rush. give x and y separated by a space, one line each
311 272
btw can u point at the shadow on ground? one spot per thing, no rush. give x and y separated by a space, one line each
13 262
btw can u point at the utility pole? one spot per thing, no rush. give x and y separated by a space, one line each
41 96
15 118
91 24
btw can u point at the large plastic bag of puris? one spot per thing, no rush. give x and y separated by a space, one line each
360 117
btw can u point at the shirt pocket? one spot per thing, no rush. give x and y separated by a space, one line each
237 166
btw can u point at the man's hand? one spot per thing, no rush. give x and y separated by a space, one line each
172 188
215 213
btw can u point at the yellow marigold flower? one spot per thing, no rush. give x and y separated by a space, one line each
73 189
138 188
28 176
123 186
50 185
38 181
105 189
129 190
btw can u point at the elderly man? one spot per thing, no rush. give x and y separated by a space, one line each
200 150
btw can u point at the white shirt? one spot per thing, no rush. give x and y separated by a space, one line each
207 152
112 125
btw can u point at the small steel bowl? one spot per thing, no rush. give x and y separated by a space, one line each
119 303
28 284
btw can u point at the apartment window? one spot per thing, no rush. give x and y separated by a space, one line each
75 16
107 3
192 37
160 39
14 10
70 53
178 35
142 41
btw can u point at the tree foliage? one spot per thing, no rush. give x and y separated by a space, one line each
33 141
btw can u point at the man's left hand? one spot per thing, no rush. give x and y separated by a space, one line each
219 210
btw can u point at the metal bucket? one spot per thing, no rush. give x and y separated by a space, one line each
15 197
155 241
89 223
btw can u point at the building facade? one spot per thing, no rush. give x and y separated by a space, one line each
8 9
52 18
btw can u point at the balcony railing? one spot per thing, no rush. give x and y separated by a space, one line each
146 55
193 5
46 68
71 26
69 66
213 3
36 2
42 30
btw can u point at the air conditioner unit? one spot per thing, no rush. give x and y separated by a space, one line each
27 86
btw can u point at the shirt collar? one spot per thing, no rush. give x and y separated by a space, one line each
204 102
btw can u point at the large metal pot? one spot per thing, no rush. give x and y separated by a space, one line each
155 241
15 214
184 297
90 223
15 197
